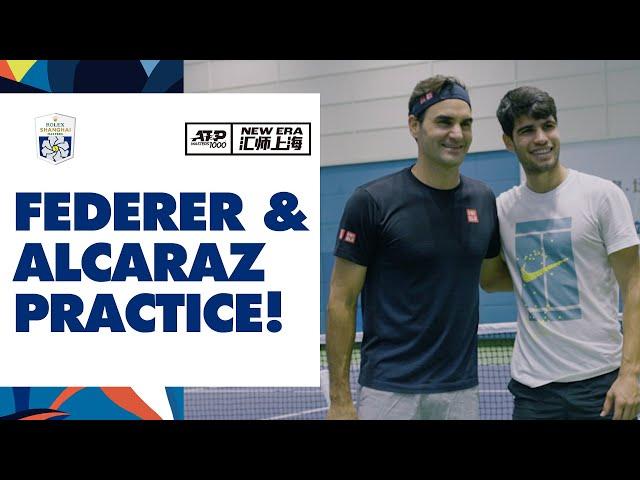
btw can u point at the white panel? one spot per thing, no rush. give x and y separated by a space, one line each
487 135
391 144
375 146
337 119
196 77
389 113
623 121
257 359
361 116
620 64
582 124
485 100
535 69
572 92
392 82
623 86
332 90
477 72
190 62
235 73
337 150
297 69
264 88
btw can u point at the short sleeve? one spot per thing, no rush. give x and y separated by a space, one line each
617 227
357 233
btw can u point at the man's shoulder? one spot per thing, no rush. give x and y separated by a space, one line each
384 185
477 187
508 197
594 184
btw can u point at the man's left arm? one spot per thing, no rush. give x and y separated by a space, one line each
495 276
624 394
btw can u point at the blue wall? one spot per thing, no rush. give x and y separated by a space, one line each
498 169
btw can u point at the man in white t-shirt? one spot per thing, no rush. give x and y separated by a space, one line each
568 240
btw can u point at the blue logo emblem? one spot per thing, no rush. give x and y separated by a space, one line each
55 135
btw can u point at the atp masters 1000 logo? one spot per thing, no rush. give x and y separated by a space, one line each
55 136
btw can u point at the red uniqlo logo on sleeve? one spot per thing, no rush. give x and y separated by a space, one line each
346 236
472 215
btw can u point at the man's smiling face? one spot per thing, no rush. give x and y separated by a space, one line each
444 136
536 142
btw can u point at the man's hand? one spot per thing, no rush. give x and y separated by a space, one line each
342 412
624 398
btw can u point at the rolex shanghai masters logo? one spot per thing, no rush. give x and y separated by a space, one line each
55 136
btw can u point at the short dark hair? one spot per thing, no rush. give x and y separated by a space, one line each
432 84
529 101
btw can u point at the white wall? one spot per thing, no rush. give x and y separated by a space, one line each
613 159
364 102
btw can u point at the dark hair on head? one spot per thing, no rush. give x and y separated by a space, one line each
432 84
529 101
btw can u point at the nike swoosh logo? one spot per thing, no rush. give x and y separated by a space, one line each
531 276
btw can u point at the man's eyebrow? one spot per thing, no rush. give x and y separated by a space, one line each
450 118
524 127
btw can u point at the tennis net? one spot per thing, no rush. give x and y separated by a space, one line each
495 344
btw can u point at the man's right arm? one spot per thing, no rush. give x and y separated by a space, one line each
346 283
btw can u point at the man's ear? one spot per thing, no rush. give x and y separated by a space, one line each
508 142
414 126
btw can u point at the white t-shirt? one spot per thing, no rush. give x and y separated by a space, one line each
556 245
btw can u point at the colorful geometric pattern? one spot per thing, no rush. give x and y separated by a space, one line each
92 76
89 76
91 403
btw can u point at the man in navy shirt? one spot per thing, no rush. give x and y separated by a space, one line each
412 243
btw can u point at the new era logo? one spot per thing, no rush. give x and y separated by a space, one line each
472 215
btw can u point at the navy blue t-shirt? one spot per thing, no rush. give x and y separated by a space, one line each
423 249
